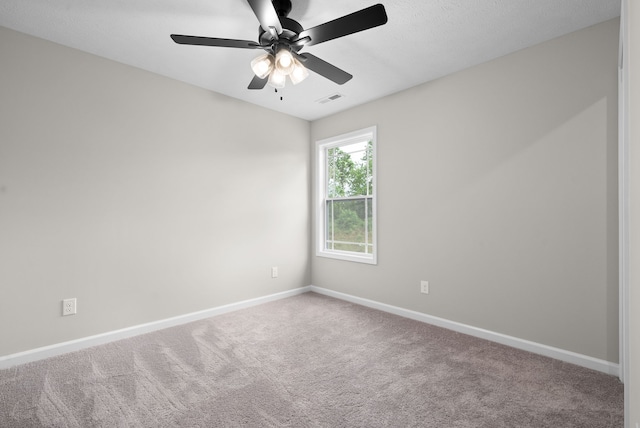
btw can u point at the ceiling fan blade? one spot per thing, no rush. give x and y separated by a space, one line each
266 14
258 83
323 68
212 41
364 19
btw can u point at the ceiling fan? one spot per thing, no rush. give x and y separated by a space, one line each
282 38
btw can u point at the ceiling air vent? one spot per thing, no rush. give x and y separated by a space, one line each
329 98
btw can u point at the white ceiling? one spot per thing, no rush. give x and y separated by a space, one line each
423 40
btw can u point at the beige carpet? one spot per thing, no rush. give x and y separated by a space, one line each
307 361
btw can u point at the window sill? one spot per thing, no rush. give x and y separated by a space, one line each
348 256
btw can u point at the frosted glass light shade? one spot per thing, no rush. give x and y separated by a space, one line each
277 79
299 72
262 65
284 62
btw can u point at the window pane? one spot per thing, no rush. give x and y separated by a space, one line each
347 223
370 221
356 248
329 226
349 170
333 190
369 160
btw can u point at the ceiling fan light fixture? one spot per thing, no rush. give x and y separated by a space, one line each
277 79
299 72
284 61
262 65
282 38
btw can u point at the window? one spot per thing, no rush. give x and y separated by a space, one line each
346 201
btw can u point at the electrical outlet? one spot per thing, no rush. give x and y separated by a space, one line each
424 287
69 307
274 272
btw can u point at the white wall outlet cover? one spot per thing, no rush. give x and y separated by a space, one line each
274 272
424 287
68 307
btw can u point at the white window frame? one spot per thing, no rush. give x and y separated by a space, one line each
367 134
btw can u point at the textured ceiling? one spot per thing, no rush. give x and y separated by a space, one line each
423 40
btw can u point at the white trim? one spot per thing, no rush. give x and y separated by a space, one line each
623 206
11 360
526 345
623 203
320 180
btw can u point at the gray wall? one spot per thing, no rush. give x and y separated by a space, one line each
498 184
142 197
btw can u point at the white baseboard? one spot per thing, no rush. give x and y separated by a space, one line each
11 360
526 345
99 339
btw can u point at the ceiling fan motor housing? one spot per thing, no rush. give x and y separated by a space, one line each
290 30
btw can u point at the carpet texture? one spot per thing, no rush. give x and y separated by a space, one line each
307 361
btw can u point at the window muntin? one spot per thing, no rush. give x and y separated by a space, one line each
346 203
